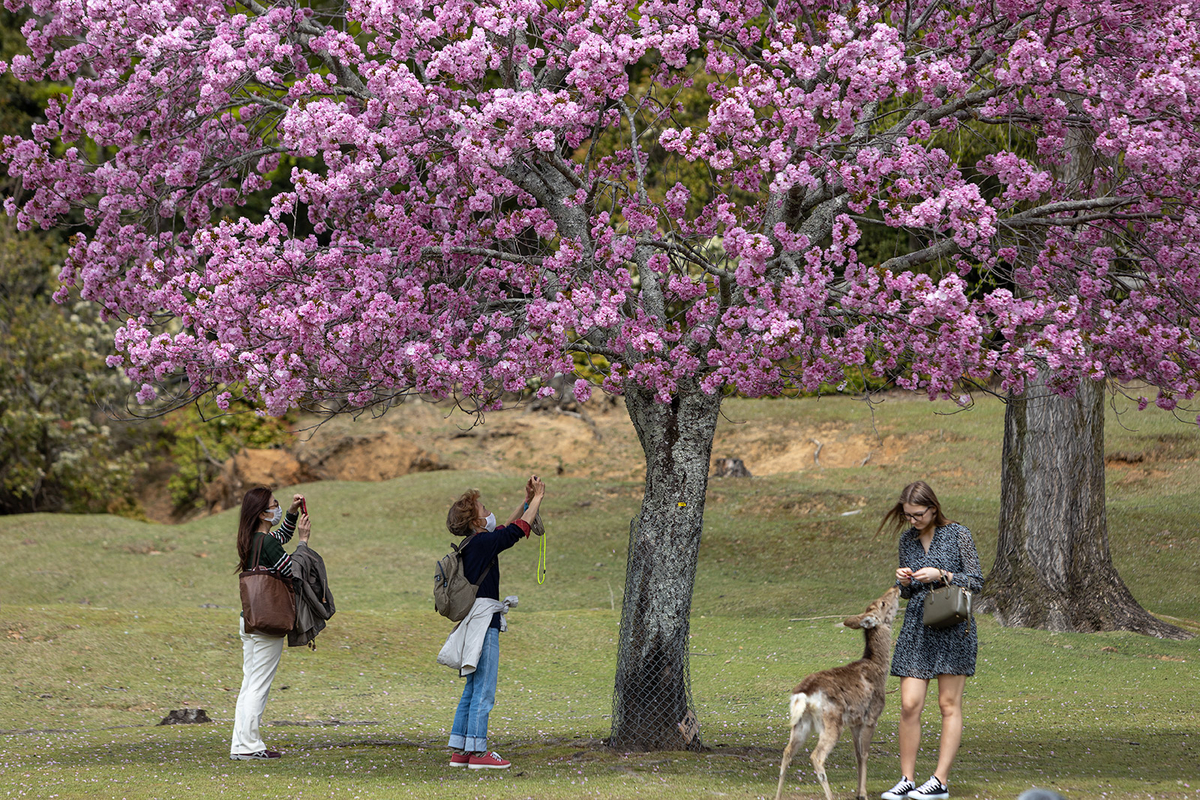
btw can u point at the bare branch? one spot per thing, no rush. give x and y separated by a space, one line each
1068 206
499 255
580 346
688 253
944 248
638 166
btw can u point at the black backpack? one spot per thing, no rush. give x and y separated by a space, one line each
453 594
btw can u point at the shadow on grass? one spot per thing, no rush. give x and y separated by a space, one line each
1119 754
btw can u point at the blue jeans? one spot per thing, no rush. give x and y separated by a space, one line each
469 731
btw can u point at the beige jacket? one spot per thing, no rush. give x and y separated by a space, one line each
465 643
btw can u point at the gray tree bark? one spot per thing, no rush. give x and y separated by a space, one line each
1053 567
652 707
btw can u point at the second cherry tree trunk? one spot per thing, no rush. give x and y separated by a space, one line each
1053 567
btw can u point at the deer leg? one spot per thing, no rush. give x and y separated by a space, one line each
862 744
789 751
830 732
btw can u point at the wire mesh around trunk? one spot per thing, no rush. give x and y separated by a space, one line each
652 699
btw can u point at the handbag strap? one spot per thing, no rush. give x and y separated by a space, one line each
970 617
258 543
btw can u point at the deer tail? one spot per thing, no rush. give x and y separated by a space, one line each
801 719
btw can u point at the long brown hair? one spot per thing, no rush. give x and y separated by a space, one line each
255 502
917 493
460 520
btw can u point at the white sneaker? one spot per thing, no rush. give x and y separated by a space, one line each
261 755
932 789
900 790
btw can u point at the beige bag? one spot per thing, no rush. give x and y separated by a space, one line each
453 594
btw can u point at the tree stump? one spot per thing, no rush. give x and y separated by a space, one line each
185 716
730 468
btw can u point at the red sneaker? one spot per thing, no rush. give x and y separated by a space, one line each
488 761
459 759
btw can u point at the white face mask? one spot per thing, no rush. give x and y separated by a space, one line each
276 515
490 523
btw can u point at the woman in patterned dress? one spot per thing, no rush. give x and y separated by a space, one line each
933 551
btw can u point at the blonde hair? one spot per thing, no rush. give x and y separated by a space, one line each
917 493
460 520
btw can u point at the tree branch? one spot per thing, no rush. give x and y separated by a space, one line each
580 346
636 149
1068 206
555 161
308 31
946 247
688 253
499 255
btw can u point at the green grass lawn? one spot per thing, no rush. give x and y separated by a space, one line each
107 624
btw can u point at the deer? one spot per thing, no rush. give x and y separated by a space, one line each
851 695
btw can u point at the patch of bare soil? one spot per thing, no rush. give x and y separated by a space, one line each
595 441
378 456
824 503
186 716
249 468
1167 447
775 448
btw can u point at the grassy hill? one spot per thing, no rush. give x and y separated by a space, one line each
106 624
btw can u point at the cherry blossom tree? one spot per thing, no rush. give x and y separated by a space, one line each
1053 566
336 205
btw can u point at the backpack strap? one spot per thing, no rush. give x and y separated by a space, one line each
482 575
485 572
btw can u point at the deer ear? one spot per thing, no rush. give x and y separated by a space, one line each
852 622
868 622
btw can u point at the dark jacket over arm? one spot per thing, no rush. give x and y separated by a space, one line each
314 601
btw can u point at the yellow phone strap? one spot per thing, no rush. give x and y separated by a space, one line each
541 565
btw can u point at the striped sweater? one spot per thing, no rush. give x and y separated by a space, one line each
274 557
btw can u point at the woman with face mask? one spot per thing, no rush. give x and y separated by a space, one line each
260 653
485 541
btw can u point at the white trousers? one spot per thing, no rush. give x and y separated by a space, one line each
260 659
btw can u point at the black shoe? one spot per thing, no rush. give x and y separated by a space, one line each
900 790
932 789
261 755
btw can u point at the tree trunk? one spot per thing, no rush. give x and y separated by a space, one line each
652 697
1053 568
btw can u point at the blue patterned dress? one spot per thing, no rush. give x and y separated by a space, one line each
923 652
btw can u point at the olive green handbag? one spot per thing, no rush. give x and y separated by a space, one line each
947 605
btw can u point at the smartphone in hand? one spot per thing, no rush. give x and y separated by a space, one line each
303 507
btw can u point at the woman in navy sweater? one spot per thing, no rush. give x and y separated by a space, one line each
485 541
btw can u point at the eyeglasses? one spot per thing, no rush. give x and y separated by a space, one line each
915 517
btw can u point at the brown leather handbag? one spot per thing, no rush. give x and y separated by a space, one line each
268 600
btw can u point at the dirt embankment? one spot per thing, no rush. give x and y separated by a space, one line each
595 441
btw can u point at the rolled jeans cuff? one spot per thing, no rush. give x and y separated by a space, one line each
469 743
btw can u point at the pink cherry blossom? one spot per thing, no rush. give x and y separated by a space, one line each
438 221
